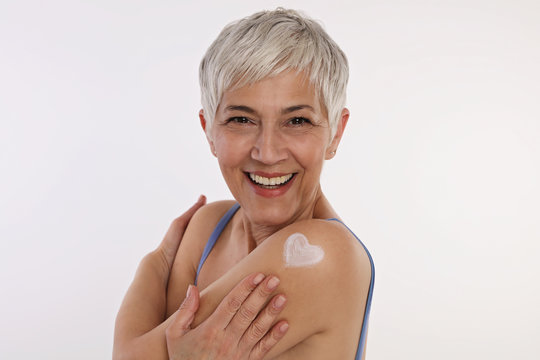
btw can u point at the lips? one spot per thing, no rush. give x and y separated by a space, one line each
270 185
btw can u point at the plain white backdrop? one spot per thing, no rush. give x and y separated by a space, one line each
438 171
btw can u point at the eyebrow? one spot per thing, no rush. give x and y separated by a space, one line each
294 108
240 108
287 110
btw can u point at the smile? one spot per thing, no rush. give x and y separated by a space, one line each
272 182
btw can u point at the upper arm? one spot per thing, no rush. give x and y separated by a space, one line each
321 296
190 250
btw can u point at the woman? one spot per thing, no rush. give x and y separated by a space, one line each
273 91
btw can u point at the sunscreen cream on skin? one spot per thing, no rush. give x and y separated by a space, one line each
298 252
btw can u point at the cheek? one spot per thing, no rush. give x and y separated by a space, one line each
310 154
230 149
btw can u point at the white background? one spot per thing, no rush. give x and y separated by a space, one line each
438 173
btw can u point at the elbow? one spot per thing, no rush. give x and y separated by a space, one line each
126 351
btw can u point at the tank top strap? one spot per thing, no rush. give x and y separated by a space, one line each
363 331
215 235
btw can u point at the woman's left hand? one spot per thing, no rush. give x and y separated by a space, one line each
241 328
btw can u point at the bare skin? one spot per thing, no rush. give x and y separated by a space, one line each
240 328
325 302
141 331
278 129
274 129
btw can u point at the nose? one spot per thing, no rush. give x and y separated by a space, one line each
270 147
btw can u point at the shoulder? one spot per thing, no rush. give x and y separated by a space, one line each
336 287
316 260
309 252
202 225
324 265
343 252
205 214
324 272
212 212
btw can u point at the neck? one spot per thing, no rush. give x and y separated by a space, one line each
257 233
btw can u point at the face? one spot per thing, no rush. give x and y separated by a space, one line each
271 139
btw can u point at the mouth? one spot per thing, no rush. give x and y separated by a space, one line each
270 182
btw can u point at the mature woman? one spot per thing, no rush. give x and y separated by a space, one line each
273 93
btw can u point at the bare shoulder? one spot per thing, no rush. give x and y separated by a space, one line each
324 256
203 222
335 284
325 275
212 212
342 250
201 226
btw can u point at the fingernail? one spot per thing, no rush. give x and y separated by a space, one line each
284 327
202 198
280 301
273 283
188 292
257 280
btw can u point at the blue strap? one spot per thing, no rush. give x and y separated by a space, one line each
215 235
363 332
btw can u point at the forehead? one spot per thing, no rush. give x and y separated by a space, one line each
282 91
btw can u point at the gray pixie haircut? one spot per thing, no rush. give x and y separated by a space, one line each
266 44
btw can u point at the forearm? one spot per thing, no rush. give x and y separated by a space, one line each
149 346
142 310
140 327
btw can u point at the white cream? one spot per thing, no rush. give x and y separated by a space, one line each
298 252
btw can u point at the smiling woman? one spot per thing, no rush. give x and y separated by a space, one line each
273 92
274 130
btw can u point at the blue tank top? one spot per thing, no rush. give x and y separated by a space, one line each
225 220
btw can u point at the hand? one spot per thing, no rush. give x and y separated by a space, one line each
239 328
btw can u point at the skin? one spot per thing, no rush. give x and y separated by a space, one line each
231 332
299 252
278 125
141 333
270 141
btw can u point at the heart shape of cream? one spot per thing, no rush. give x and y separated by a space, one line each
299 252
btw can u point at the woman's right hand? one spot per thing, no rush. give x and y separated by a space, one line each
239 328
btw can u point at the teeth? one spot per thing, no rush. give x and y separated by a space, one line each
270 181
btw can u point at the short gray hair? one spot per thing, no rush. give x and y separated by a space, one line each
266 44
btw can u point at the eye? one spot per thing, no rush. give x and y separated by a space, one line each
299 121
238 120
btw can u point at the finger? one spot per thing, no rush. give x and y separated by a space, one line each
231 303
262 324
269 340
185 314
173 237
251 308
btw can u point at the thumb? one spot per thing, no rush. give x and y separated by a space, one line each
186 313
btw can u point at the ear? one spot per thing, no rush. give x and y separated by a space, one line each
342 123
204 124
